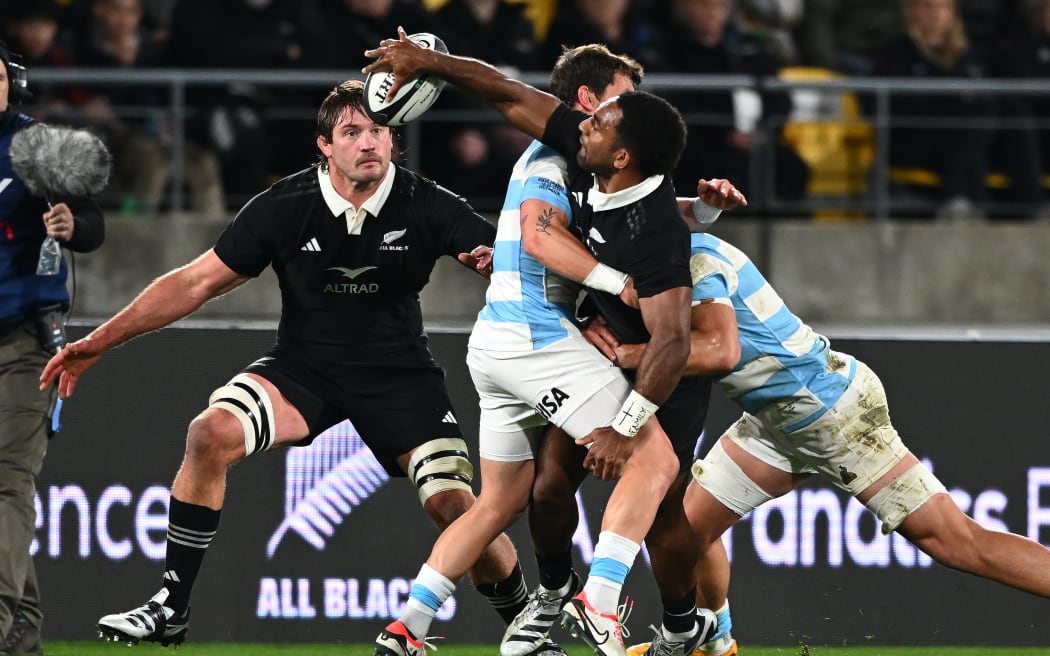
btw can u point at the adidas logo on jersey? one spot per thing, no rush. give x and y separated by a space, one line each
449 418
311 246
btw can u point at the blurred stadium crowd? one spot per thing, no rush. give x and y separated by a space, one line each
241 137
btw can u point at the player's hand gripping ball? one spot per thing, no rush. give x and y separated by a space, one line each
414 97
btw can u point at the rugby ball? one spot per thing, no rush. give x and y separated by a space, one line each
414 97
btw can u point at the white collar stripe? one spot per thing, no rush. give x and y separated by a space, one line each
601 201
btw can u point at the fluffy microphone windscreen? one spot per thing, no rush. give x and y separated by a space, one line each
59 162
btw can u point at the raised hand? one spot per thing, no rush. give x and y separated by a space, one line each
403 56
720 194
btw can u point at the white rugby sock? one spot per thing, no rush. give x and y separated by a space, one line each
430 589
613 557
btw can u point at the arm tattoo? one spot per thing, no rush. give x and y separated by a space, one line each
545 220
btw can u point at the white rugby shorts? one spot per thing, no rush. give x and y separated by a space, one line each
853 444
568 383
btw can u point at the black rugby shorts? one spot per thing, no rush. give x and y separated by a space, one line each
394 409
683 415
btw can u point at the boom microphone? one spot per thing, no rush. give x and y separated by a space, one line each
58 162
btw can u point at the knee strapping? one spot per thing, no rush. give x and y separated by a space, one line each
902 496
440 465
245 399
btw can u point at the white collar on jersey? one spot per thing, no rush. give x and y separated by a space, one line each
355 216
600 201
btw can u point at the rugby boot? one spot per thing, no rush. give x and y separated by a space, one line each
150 622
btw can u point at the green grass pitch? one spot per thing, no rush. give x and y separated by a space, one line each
305 649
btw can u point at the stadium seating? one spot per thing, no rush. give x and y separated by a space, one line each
827 130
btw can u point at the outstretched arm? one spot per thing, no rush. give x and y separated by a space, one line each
167 299
526 107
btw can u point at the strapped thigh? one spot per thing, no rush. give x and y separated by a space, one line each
726 481
903 495
440 465
247 400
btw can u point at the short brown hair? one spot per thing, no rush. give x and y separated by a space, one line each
593 66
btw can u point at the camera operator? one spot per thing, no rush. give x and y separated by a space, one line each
32 314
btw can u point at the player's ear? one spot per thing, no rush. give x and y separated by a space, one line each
324 146
586 98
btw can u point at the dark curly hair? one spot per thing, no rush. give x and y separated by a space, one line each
652 130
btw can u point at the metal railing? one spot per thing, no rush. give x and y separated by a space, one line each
877 200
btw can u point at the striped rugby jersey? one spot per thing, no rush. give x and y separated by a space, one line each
527 306
787 373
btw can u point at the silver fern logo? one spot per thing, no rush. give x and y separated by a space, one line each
324 482
393 236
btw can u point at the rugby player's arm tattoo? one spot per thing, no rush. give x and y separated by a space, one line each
543 221
545 237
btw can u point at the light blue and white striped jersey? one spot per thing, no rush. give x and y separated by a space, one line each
787 373
527 306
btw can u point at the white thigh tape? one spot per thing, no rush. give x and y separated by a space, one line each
900 498
246 400
722 477
440 465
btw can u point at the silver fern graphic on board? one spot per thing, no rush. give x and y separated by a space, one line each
324 482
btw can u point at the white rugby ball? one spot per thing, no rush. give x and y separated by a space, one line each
414 97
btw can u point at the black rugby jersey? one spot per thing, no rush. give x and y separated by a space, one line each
352 298
638 231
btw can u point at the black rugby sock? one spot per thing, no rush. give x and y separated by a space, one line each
680 614
190 530
555 570
507 596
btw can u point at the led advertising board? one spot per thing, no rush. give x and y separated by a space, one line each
319 544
